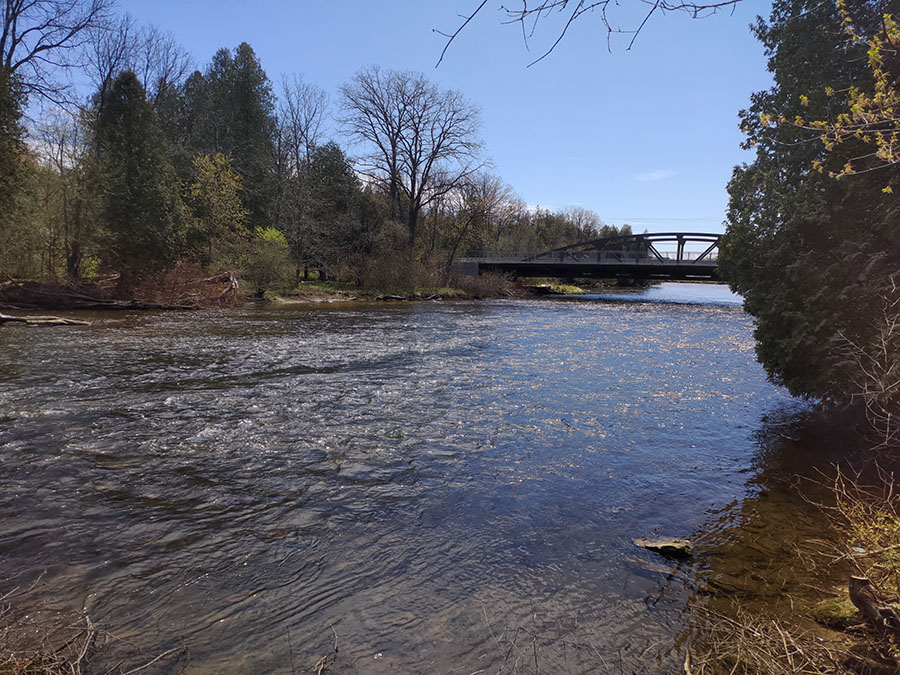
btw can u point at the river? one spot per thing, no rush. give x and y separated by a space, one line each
423 487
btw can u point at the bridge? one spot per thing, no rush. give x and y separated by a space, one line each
665 255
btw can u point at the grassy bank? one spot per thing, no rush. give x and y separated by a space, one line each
845 621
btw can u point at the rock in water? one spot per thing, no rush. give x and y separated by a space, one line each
671 548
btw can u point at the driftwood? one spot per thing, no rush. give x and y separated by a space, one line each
42 320
230 290
31 295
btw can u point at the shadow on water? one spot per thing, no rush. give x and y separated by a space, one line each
773 554
440 488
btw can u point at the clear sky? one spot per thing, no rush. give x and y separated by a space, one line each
647 136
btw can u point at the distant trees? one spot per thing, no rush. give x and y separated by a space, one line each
420 142
159 167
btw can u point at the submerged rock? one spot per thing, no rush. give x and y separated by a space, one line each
671 548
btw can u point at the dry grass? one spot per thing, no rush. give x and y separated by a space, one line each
865 516
33 644
747 645
30 647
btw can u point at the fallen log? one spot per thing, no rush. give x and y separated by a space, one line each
33 295
42 320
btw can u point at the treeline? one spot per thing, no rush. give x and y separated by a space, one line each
163 167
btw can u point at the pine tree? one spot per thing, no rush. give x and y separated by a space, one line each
230 110
142 207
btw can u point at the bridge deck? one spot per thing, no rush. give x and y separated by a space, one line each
598 267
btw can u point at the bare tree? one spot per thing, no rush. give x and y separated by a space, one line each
39 37
877 368
565 12
302 109
154 56
587 222
301 117
159 61
109 49
62 146
422 142
373 114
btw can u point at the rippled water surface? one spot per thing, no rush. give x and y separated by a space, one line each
429 487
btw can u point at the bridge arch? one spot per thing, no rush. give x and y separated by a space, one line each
640 243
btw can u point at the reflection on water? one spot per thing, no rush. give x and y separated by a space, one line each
434 487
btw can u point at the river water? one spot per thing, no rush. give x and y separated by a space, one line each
422 487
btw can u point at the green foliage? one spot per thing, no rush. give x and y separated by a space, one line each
268 265
14 177
872 123
218 235
816 259
142 207
11 134
229 109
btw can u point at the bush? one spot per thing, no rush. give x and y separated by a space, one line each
268 265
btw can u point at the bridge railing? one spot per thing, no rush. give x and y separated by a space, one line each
594 257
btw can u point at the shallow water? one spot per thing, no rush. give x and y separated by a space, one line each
431 487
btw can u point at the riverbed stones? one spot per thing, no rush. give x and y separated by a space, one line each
667 546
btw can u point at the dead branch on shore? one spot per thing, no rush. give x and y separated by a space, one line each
33 295
230 290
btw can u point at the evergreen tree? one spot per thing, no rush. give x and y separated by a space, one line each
11 134
142 207
815 258
21 241
341 221
229 109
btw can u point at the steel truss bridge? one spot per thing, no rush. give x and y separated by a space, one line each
635 256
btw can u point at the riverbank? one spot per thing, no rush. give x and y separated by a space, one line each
171 291
221 291
781 592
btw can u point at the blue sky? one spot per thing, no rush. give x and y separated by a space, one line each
647 136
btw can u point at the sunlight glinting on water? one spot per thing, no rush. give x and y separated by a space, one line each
424 481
